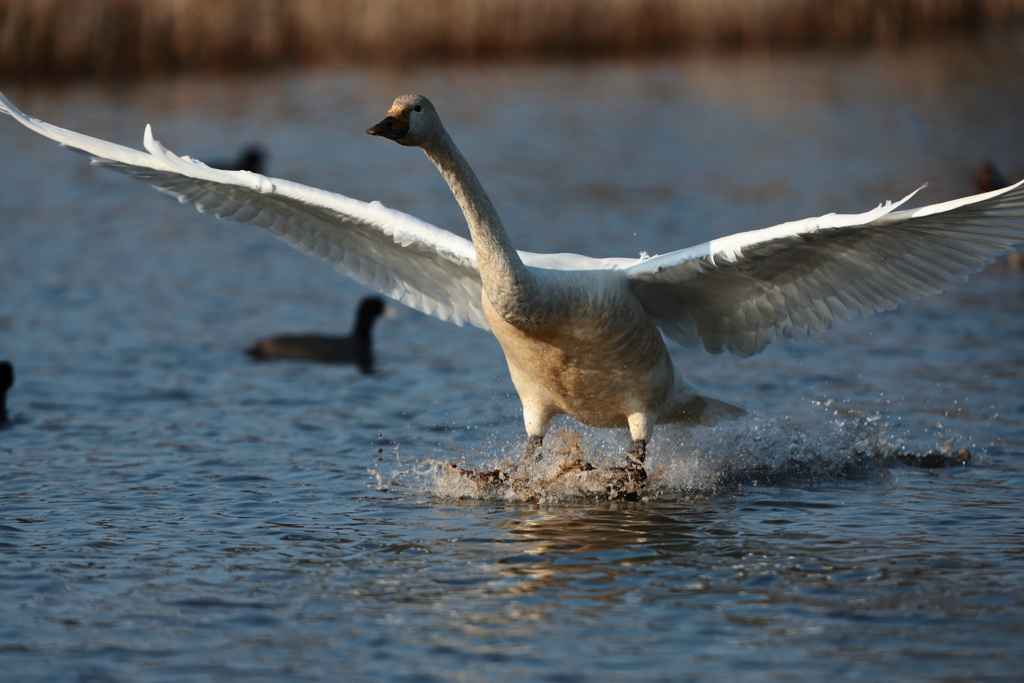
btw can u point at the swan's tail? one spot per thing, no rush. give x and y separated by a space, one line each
695 407
710 411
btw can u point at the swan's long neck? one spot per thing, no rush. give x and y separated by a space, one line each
508 284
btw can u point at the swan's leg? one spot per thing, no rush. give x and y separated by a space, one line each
630 485
640 429
635 458
537 419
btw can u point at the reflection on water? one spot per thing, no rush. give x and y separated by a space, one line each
170 510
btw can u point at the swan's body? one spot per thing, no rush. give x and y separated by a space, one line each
597 356
583 336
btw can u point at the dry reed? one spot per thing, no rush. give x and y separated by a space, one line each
43 39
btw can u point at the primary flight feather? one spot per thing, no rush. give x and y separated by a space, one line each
581 335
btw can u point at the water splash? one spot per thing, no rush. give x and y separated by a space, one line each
681 462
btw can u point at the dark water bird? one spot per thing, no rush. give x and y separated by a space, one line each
6 382
252 158
584 336
356 348
988 177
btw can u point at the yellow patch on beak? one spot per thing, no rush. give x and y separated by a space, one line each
400 113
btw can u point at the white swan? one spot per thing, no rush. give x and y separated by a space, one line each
581 335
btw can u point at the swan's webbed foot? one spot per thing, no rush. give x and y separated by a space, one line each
636 454
482 477
630 486
533 447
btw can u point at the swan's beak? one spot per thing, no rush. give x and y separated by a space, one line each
390 128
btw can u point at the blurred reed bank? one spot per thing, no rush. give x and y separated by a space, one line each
47 39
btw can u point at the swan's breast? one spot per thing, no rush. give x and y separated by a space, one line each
596 355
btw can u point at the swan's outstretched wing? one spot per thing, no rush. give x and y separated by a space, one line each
797 279
422 266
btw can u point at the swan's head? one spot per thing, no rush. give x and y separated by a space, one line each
411 121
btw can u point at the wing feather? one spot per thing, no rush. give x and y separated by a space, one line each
422 266
793 280
738 293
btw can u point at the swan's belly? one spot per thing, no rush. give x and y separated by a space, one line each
596 371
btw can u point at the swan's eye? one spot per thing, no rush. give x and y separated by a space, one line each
417 108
